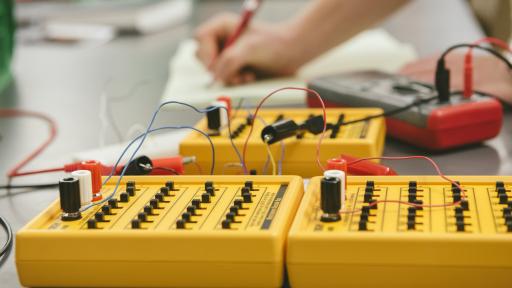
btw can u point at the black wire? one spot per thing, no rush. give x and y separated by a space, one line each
6 249
474 46
391 112
29 186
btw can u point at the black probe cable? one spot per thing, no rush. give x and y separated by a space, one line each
442 74
392 112
6 249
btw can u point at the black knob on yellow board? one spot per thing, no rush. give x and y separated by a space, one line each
130 190
170 185
69 192
148 210
135 224
247 197
192 210
91 224
113 203
180 224
196 203
205 198
164 191
154 203
249 184
142 216
211 191
226 224
124 197
99 216
106 209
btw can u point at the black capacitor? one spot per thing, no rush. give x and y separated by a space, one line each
213 118
330 199
279 131
69 191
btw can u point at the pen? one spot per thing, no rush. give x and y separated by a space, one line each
249 9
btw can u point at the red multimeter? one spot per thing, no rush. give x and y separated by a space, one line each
431 125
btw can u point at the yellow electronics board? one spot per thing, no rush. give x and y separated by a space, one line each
362 139
186 231
392 244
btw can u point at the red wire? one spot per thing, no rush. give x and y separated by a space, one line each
436 167
319 163
468 62
15 171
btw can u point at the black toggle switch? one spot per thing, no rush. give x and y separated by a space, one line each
249 184
192 210
181 224
187 217
92 224
159 196
370 183
233 209
373 204
142 216
411 224
208 184
205 198
130 190
500 184
456 197
503 198
419 203
238 203
413 184
412 191
196 203
164 191
148 210
368 190
135 224
363 217
411 217
130 183
106 209
501 191
113 203
363 225
507 211
170 185
411 210
247 197
230 216
464 204
368 197
411 198
99 216
245 190
124 197
210 191
226 224
365 209
154 203
460 226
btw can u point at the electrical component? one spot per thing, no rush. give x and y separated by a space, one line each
411 113
396 241
95 168
214 229
69 192
332 195
288 128
85 179
360 139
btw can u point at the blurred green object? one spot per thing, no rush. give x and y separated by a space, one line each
6 41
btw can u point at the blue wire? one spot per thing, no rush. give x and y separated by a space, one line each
131 143
144 136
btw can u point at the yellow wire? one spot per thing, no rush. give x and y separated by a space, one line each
271 158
